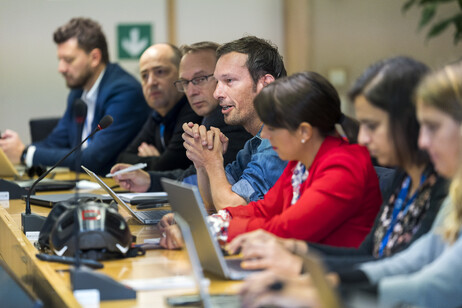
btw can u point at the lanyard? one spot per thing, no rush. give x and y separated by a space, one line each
401 199
162 131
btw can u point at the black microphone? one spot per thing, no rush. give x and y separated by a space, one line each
80 114
80 111
33 222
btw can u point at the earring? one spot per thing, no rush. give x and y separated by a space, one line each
303 140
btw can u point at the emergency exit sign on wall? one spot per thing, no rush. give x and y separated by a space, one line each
132 40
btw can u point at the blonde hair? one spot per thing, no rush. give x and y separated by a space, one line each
442 90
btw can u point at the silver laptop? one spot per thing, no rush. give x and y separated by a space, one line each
204 298
185 199
147 217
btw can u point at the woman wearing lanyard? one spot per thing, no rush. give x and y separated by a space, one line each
383 99
429 273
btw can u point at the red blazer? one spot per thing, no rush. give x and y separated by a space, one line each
337 206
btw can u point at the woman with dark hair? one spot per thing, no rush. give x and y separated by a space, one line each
383 98
329 191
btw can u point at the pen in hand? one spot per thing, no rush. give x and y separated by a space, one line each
128 169
68 260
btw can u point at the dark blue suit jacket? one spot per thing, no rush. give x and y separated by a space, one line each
119 95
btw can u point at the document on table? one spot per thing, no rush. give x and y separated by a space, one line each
128 197
172 282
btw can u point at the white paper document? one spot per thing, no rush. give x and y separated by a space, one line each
173 282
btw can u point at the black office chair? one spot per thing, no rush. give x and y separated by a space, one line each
40 128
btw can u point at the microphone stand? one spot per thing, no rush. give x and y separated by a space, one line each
32 222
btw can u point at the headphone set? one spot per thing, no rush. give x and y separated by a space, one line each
102 233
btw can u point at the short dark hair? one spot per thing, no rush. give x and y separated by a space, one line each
88 34
262 56
204 45
301 97
389 85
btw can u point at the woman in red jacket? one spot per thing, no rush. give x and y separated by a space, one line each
328 193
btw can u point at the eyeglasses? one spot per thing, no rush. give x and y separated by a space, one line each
182 84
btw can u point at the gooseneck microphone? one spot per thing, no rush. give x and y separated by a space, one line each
80 114
33 222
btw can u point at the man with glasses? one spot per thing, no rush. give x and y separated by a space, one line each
197 82
159 143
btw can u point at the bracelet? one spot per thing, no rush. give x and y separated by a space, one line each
23 155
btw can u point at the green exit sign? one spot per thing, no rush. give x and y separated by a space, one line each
132 40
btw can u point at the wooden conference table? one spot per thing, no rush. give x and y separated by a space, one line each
50 281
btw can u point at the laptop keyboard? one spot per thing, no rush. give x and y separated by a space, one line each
234 264
236 271
152 215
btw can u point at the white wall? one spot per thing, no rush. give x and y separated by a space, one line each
223 21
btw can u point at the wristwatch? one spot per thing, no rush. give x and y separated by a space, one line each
23 156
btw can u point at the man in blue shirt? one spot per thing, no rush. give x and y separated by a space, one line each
243 68
105 88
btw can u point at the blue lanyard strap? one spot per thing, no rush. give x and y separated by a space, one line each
400 200
162 131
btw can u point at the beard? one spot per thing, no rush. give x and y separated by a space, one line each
80 81
234 119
